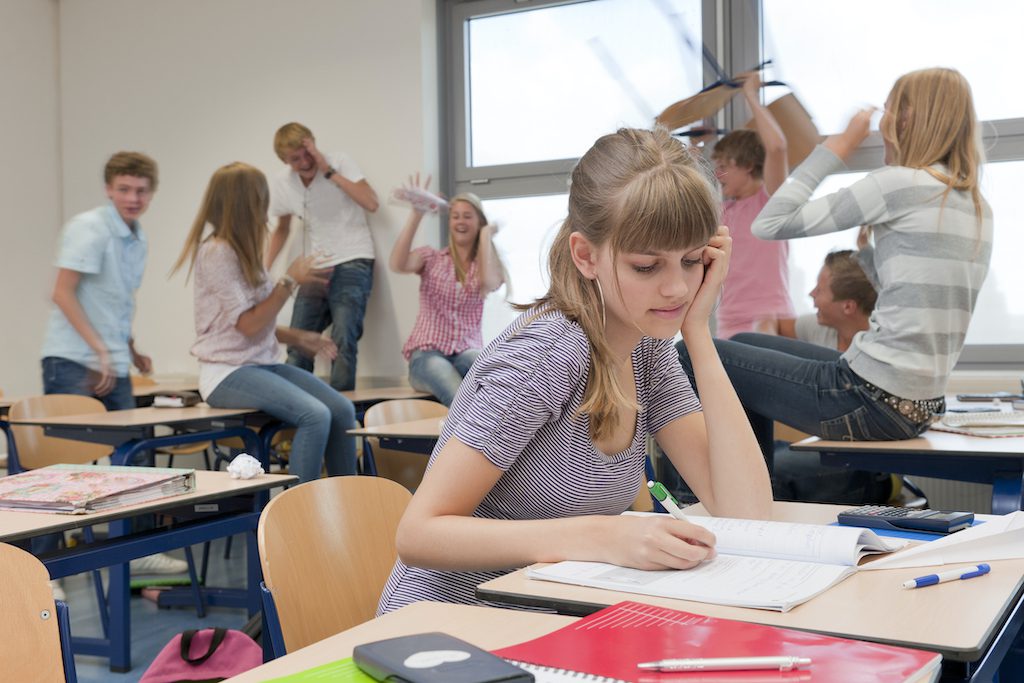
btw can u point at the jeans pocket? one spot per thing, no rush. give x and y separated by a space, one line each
848 427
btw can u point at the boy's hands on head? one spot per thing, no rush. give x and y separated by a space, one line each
310 146
658 542
846 143
716 264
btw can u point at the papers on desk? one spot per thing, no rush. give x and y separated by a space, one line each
999 538
765 565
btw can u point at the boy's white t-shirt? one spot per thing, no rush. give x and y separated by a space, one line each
335 225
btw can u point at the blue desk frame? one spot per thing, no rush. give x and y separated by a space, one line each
122 546
1004 471
132 443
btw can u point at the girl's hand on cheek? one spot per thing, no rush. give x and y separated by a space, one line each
716 265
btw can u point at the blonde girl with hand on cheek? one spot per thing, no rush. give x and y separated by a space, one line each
545 443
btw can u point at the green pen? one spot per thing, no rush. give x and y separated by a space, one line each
659 491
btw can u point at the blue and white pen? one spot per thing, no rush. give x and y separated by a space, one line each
951 575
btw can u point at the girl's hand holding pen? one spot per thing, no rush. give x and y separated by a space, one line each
658 542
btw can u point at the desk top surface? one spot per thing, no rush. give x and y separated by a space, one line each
383 394
958 618
486 627
427 428
138 417
931 442
210 486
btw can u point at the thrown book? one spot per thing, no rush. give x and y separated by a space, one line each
78 489
760 564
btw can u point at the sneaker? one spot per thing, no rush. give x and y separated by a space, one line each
158 564
58 590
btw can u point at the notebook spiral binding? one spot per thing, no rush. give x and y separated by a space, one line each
553 674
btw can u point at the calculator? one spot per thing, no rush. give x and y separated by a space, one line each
906 519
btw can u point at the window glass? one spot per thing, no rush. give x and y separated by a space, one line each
526 227
545 83
999 315
838 56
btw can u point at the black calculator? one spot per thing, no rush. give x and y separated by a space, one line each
906 519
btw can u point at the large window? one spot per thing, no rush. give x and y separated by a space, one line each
531 84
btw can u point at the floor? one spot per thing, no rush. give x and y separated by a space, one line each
152 627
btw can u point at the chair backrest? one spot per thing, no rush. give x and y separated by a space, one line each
405 468
327 548
30 645
35 449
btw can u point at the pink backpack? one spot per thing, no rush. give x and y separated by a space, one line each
211 654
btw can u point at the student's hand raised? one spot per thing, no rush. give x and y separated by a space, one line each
658 542
716 264
844 144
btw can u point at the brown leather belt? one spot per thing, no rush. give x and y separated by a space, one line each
916 410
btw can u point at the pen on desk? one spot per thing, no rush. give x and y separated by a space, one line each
727 664
659 491
951 575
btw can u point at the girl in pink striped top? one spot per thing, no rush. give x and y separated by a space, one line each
454 282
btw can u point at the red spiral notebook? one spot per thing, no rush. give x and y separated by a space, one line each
610 643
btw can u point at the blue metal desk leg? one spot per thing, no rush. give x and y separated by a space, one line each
1007 490
118 596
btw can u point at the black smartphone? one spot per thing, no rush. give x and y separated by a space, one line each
1001 395
906 519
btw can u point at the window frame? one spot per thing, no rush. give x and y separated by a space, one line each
732 31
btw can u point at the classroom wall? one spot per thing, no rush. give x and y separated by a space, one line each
30 189
200 83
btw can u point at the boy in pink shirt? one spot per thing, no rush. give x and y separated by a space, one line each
750 166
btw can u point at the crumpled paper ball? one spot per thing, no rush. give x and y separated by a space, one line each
244 466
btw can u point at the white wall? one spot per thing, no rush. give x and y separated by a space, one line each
197 84
30 189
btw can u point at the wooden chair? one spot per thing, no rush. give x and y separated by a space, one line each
35 449
326 548
35 639
405 468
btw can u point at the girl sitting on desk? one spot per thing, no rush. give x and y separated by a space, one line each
932 232
545 442
236 307
454 282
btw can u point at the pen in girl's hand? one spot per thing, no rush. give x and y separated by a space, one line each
659 491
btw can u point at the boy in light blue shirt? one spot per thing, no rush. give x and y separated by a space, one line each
88 348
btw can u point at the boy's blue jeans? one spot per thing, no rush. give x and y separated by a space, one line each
343 307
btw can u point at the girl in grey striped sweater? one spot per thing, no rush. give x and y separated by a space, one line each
932 234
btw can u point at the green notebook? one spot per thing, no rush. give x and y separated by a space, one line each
336 672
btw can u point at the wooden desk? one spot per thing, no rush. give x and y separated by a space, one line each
218 517
131 432
964 622
364 398
415 436
485 627
996 461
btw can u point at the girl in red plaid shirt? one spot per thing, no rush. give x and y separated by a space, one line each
454 281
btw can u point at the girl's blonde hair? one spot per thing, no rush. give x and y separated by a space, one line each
932 120
637 191
235 206
462 268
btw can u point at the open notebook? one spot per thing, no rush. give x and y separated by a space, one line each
77 489
767 565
